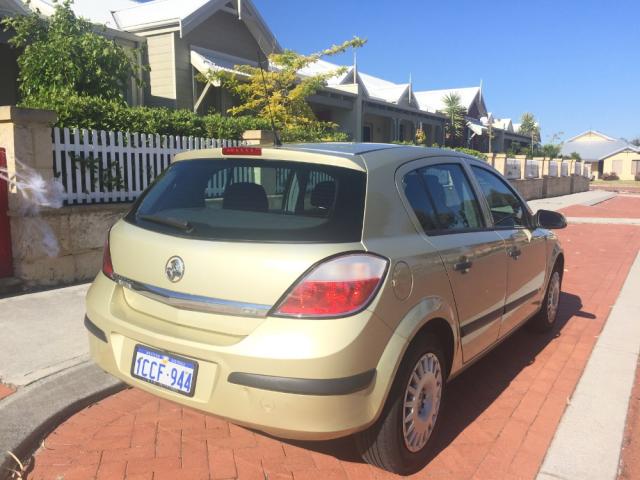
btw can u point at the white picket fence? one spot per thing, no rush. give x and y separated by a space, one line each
97 166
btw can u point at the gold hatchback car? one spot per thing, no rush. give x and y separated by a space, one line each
316 291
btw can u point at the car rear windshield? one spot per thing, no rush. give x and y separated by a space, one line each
254 200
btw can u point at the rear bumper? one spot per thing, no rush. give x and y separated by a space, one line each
311 380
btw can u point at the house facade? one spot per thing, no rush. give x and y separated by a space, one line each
185 38
605 154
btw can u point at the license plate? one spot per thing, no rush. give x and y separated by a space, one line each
166 370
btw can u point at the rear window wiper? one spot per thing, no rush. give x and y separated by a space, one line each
170 222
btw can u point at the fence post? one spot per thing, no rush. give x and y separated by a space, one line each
258 137
26 136
522 160
500 162
540 161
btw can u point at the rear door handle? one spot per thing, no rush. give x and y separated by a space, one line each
463 265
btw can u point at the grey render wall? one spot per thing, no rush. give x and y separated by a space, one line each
222 32
9 75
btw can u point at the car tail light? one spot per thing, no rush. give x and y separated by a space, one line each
254 151
337 287
107 265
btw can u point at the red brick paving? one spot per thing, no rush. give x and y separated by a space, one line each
617 207
499 420
630 455
5 390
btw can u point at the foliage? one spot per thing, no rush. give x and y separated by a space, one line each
575 156
455 113
636 142
610 176
278 94
529 127
420 137
549 150
517 149
468 151
65 54
472 152
102 114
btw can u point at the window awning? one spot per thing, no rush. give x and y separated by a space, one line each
476 128
205 60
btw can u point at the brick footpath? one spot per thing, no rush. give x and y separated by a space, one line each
499 420
618 207
5 390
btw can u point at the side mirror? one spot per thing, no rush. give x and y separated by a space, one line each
550 219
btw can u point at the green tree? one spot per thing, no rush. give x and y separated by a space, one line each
65 55
551 150
455 112
529 127
279 94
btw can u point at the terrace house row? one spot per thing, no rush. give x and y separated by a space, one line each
183 38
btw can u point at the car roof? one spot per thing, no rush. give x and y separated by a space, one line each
352 155
399 153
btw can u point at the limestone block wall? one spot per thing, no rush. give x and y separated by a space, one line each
79 232
530 189
579 184
556 186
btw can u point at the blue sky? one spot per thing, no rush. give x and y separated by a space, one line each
574 63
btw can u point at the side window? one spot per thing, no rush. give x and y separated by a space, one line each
415 192
453 199
506 209
442 198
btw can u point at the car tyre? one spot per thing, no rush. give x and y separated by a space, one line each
401 439
546 318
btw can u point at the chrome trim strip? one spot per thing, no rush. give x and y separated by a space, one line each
196 303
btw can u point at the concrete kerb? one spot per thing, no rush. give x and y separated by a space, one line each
604 221
588 441
602 198
30 414
591 197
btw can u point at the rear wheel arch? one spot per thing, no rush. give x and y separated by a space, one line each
440 329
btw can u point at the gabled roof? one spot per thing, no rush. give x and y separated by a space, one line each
99 12
188 14
503 124
591 136
136 16
594 146
383 89
12 7
322 67
431 100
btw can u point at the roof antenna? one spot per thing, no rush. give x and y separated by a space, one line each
276 138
